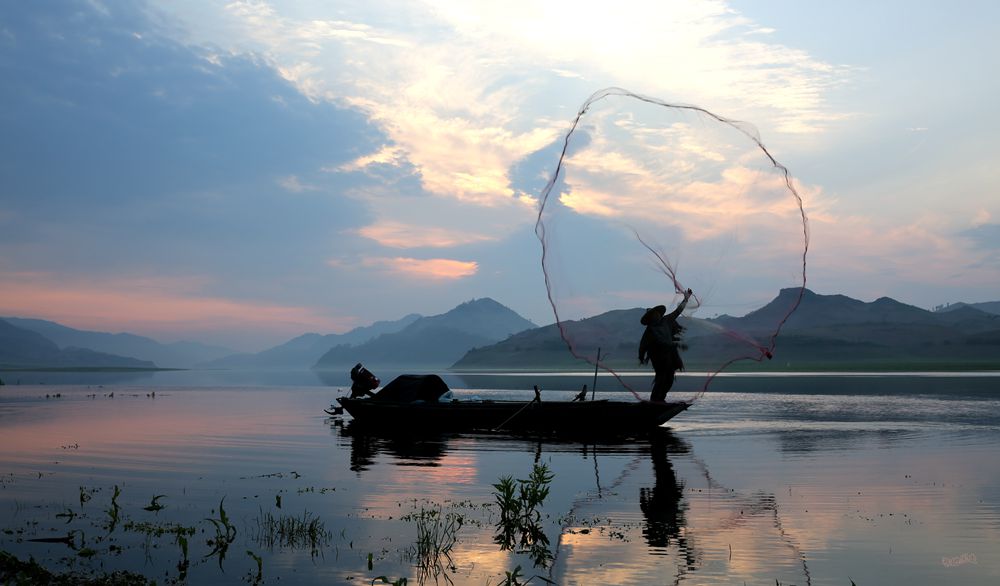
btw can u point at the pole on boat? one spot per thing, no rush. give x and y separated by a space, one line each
537 399
596 362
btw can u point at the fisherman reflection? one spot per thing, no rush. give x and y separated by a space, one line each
661 505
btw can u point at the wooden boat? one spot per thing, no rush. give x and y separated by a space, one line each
580 418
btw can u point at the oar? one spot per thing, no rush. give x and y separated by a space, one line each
538 399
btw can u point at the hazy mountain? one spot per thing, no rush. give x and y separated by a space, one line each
988 306
175 355
305 350
826 331
432 342
23 348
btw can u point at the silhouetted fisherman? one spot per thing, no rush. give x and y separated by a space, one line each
660 345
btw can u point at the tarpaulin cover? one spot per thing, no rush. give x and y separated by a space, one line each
408 388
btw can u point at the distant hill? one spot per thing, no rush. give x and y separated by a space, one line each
175 355
304 351
818 311
23 348
825 332
432 342
988 306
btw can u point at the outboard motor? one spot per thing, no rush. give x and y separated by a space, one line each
363 382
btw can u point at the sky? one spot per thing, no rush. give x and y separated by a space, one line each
242 172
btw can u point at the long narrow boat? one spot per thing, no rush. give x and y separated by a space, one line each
585 418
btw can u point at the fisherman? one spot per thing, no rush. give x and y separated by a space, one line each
660 344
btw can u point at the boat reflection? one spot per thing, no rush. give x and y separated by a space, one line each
405 449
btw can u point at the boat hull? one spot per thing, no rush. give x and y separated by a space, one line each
587 417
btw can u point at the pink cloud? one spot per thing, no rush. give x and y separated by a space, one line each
431 268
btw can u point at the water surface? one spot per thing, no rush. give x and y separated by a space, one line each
802 487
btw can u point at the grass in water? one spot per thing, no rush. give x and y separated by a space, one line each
294 532
437 534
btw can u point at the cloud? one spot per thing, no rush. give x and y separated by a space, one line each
399 235
433 269
473 98
415 125
389 155
918 262
125 151
473 89
295 185
657 169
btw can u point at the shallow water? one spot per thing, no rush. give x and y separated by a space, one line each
803 488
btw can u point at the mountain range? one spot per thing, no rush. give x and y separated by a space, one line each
825 332
23 348
174 355
432 342
304 351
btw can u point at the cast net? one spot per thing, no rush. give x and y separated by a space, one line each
650 198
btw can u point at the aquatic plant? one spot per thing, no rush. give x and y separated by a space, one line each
513 578
519 526
114 511
85 495
183 563
154 505
437 534
225 533
260 567
292 531
151 530
15 571
69 515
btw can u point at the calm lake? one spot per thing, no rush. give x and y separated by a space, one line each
237 478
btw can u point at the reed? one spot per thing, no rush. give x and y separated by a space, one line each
294 532
437 534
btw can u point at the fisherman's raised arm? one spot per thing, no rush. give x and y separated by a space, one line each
680 306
